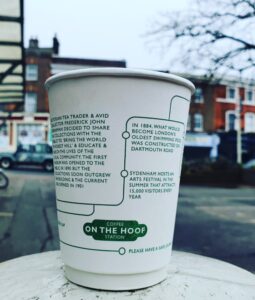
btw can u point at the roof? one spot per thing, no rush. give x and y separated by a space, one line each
64 64
91 62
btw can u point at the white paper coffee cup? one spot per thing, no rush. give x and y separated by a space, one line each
118 138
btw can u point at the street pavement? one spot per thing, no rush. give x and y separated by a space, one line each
28 220
215 222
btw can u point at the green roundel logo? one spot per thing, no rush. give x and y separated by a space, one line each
115 230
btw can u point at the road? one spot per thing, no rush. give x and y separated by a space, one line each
27 214
217 222
214 222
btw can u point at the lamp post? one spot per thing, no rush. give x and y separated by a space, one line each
239 132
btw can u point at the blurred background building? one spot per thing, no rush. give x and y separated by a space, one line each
212 114
12 64
214 105
219 108
28 122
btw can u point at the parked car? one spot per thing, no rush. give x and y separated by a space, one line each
39 154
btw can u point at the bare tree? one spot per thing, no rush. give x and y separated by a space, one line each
213 36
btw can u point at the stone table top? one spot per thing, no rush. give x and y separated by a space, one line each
190 276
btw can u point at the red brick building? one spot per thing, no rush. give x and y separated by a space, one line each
29 122
215 105
41 63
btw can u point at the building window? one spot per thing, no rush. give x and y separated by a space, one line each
4 136
249 122
30 134
198 97
30 102
198 122
231 93
249 96
31 72
230 120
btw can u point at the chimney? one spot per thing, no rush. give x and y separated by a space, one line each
55 45
33 43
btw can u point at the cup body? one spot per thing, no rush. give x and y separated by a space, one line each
118 138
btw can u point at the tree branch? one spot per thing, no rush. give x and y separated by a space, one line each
216 35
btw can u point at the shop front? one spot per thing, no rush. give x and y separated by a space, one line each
21 129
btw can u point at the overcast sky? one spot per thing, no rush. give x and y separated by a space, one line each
106 29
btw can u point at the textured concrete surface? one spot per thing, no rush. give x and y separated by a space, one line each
190 277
